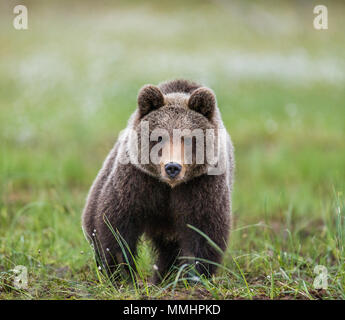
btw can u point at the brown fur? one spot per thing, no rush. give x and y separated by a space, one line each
137 199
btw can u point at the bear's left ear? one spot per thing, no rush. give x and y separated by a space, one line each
149 98
203 100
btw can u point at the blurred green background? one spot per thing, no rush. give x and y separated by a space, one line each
69 83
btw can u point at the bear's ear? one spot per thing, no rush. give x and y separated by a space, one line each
149 98
203 100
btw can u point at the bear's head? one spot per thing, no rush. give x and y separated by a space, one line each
173 130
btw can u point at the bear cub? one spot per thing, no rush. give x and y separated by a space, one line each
149 184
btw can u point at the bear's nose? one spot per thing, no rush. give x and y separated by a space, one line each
172 169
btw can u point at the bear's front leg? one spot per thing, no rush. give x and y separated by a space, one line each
200 252
209 212
115 245
168 251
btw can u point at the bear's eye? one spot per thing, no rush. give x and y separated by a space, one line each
160 138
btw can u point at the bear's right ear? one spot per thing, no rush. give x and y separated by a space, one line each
149 98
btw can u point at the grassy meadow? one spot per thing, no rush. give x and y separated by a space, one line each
68 85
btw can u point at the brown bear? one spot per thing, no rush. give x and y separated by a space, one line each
172 201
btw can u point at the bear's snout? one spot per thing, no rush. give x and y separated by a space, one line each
173 169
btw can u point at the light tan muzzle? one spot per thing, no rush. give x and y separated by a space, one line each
172 164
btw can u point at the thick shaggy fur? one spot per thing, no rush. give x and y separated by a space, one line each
133 199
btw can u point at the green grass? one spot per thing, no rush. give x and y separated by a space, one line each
68 86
